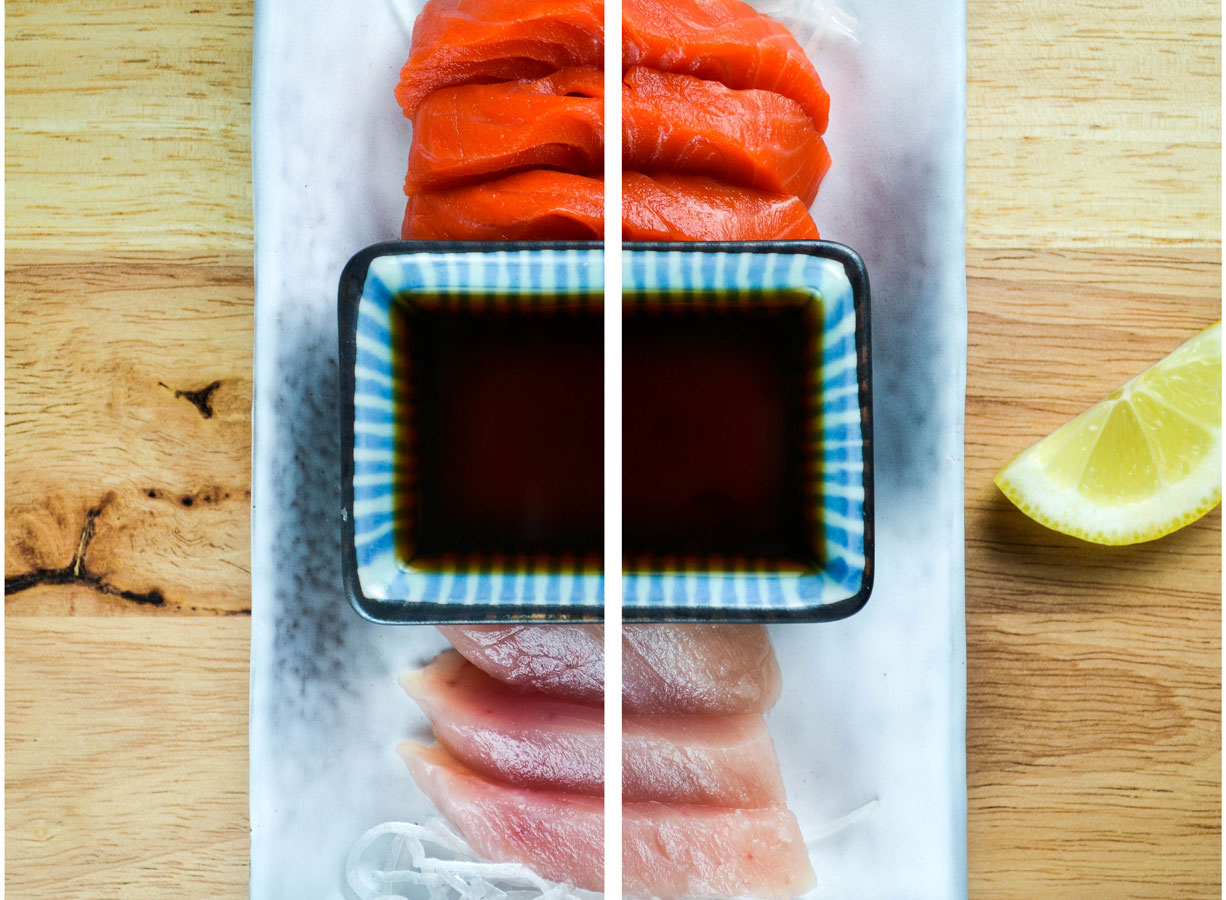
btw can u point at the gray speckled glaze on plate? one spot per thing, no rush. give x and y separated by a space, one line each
873 706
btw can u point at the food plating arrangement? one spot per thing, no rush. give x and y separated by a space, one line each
431 656
746 440
696 450
722 122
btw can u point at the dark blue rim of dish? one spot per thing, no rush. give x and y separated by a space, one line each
395 612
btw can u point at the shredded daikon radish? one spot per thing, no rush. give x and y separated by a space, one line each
405 861
812 22
829 829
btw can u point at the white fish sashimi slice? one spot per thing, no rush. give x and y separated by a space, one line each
560 660
699 669
703 760
532 740
670 851
558 835
690 669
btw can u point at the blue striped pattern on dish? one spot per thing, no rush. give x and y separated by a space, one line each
382 575
741 592
745 586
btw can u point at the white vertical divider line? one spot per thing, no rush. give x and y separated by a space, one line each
612 451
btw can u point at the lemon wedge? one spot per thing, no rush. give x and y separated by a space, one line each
1143 462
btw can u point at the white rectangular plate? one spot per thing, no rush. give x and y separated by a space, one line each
873 706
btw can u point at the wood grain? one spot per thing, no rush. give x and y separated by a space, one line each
126 758
129 285
127 407
1093 123
127 126
1094 242
1094 248
1093 674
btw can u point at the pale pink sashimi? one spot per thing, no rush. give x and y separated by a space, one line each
526 739
561 660
671 852
482 41
684 669
700 760
699 668
560 836
535 741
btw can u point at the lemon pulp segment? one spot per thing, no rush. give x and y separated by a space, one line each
1141 463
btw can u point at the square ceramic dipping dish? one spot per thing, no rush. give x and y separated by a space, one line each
823 569
392 297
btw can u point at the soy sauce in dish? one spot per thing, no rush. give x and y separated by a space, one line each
501 441
719 429
501 462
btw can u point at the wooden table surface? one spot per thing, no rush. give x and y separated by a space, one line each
1093 248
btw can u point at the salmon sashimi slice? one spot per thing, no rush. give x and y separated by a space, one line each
558 835
753 138
482 41
671 852
530 740
475 131
726 41
535 741
537 205
682 669
668 207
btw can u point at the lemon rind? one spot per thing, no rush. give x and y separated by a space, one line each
1065 510
1170 507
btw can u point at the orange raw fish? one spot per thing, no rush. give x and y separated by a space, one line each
670 851
537 205
474 131
481 41
666 207
753 138
722 40
535 741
